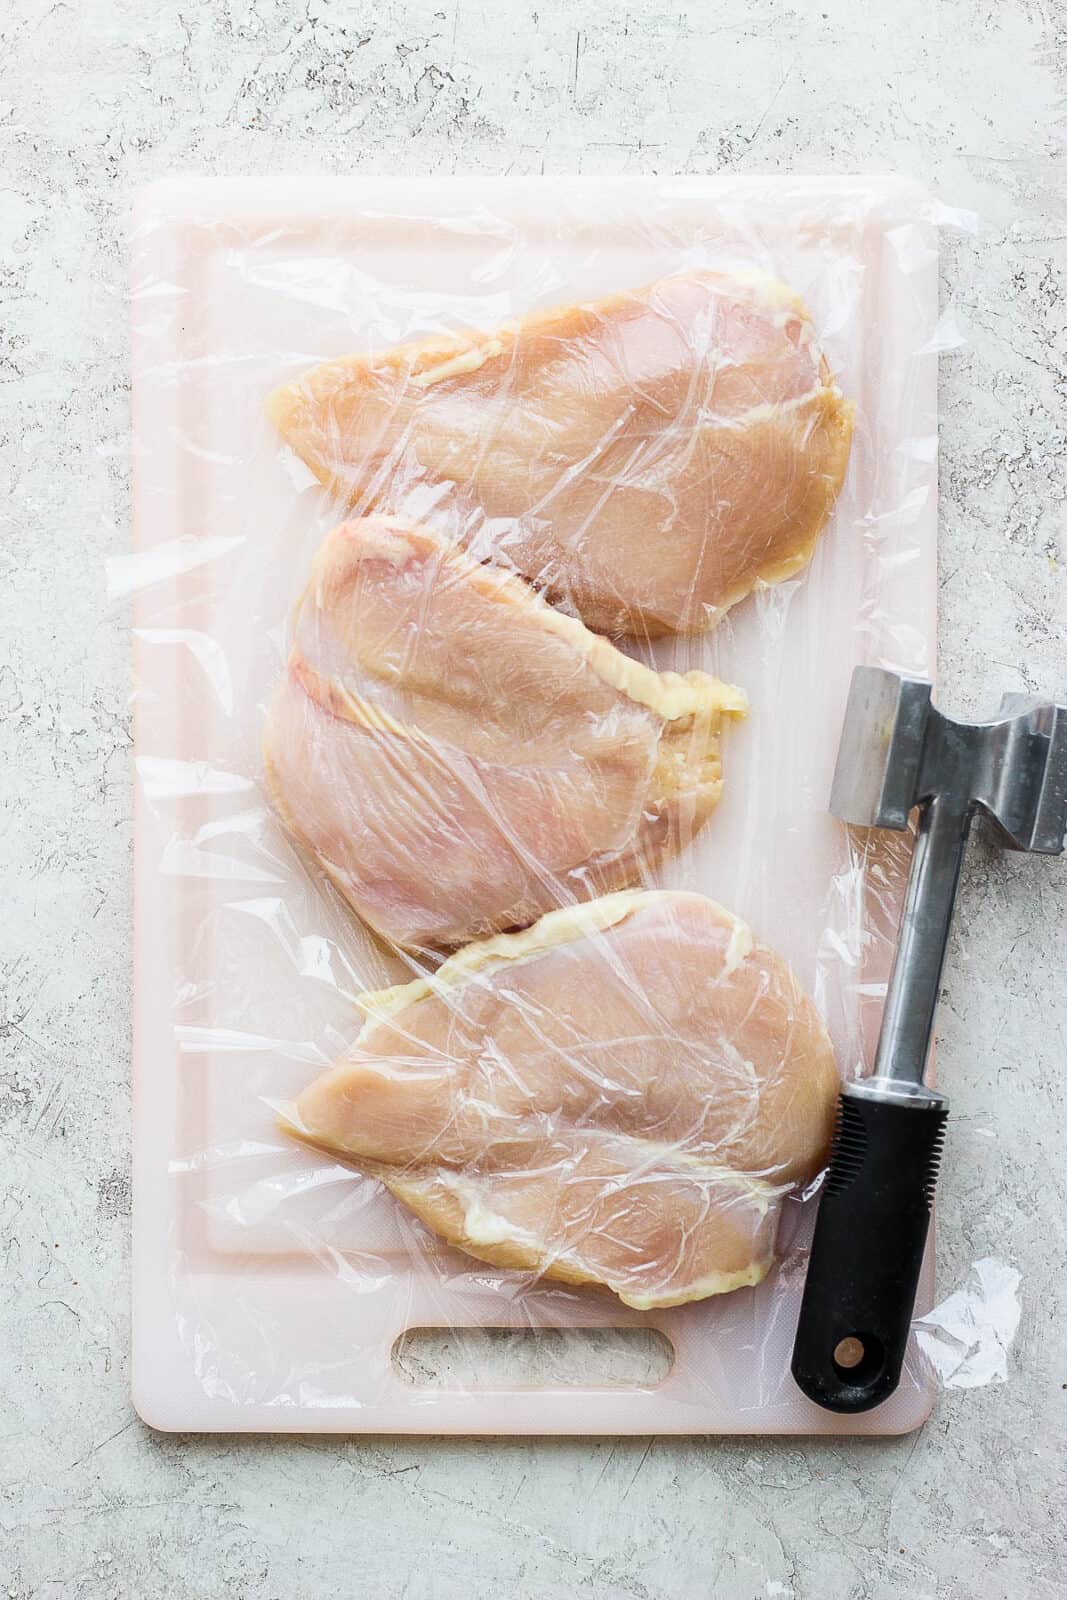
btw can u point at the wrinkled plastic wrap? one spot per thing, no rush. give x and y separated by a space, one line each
501 565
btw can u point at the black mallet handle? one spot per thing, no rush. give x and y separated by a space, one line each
870 1234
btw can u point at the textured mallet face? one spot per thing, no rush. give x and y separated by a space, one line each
1022 775
879 761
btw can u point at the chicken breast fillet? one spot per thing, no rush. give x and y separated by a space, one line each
646 459
459 757
620 1095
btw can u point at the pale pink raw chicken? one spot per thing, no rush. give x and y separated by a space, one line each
646 459
620 1095
459 757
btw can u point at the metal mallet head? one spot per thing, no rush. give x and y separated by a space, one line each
898 752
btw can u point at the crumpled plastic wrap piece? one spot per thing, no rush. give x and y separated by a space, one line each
647 458
534 649
619 1095
458 757
966 1337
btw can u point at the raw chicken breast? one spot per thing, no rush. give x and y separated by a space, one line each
619 1095
459 757
646 459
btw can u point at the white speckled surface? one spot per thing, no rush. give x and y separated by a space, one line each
100 96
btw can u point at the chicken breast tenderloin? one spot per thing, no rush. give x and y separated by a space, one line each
620 1095
646 459
459 757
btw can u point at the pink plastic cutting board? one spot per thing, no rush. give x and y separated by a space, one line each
244 973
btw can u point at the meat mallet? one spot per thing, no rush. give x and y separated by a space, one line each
898 752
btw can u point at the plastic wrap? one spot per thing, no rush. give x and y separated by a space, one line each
497 587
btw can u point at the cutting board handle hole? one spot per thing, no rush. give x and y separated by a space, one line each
532 1358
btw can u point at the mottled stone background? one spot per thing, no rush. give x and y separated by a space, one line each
97 96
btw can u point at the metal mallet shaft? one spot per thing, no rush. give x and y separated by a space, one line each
898 752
